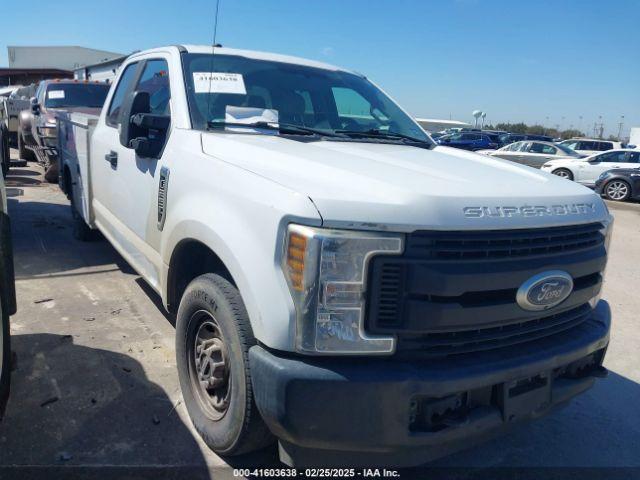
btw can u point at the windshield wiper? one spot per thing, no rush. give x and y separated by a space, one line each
375 133
286 128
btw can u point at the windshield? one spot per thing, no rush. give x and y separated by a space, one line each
568 151
61 95
222 87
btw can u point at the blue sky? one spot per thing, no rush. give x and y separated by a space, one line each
517 60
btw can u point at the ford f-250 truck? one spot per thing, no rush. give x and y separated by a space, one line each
339 282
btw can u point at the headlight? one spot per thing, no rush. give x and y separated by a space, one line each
607 231
326 273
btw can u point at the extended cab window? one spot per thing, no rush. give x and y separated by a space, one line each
126 79
155 81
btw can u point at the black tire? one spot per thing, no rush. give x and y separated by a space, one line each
81 230
5 153
564 173
51 173
5 373
23 152
211 305
617 190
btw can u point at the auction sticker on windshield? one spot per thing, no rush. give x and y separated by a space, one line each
55 94
219 82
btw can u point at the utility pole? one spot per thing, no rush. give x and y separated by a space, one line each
546 123
620 127
580 124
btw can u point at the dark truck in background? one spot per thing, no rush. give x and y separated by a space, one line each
37 138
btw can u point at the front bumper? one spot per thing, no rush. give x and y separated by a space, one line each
367 412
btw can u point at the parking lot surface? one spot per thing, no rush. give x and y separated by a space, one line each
95 382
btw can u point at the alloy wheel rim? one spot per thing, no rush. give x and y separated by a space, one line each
210 377
562 174
617 190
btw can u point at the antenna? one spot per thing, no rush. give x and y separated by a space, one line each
213 49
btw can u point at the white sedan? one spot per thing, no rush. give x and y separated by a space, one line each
587 170
533 153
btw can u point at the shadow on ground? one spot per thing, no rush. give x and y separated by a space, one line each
43 243
93 406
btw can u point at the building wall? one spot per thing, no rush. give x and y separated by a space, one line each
101 73
64 58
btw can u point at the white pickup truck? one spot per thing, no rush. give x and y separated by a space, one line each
341 284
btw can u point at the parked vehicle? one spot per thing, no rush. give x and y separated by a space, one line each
587 170
532 153
467 141
634 137
324 259
38 124
518 137
620 184
12 101
590 146
7 298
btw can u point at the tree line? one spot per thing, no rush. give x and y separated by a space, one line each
536 130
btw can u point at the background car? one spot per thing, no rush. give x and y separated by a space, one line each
619 184
587 170
532 153
467 141
590 146
518 137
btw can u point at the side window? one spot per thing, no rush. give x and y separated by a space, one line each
548 149
155 81
612 157
523 147
634 157
604 146
113 114
537 147
572 145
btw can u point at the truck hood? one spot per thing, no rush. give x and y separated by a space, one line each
402 188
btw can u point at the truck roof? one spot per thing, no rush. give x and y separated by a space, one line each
249 54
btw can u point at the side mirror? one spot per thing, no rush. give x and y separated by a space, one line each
35 106
143 131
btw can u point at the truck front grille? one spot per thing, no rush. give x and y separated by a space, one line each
455 292
504 244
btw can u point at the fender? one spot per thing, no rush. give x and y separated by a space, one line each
238 226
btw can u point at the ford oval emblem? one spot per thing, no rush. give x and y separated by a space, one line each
545 290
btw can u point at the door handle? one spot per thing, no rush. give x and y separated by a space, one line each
112 158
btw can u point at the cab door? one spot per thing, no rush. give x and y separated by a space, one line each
126 202
588 172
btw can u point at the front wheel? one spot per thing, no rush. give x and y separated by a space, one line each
563 173
23 152
617 190
213 337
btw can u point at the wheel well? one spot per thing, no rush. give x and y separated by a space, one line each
189 260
